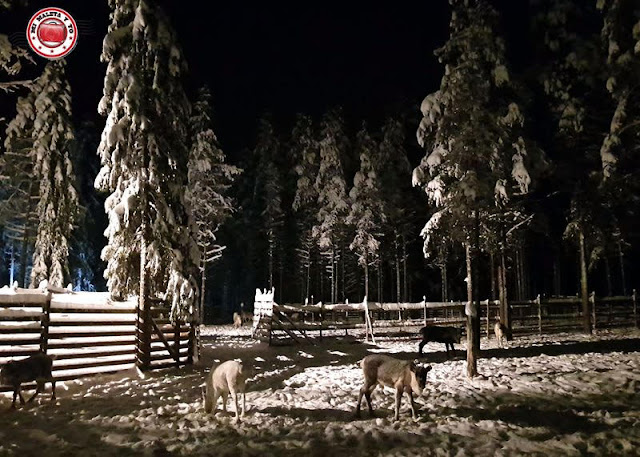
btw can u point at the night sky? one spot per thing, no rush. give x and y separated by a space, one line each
372 60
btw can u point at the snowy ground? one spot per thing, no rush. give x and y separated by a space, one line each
566 394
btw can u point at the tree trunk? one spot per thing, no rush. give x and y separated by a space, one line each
203 281
405 295
308 282
366 275
472 367
492 267
622 275
333 273
270 265
143 328
379 268
444 282
505 309
342 274
557 289
475 269
24 253
607 272
584 288
518 276
13 264
398 296
281 274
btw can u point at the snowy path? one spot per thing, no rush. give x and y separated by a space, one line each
563 395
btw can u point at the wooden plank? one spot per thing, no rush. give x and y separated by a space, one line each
61 344
164 340
295 327
33 327
126 358
21 342
101 352
93 319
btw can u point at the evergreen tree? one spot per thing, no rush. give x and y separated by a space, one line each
471 128
20 188
399 198
57 197
367 212
332 193
621 35
151 250
573 81
11 57
264 210
304 149
209 181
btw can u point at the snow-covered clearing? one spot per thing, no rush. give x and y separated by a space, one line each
566 394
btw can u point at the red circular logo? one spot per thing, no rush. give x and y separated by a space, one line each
52 33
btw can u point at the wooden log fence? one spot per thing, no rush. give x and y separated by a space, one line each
540 315
86 332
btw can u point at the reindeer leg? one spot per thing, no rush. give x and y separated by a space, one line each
398 400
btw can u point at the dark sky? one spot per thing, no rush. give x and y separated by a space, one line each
373 60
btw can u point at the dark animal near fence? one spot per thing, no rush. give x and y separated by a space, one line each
446 335
402 375
35 368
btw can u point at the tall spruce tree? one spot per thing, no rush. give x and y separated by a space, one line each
57 197
20 188
399 199
151 249
367 213
573 81
264 209
304 149
332 193
210 179
471 131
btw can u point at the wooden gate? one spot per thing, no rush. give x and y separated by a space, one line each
160 343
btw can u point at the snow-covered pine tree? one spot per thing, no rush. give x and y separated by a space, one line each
573 80
266 201
11 57
57 207
332 192
210 178
20 188
151 249
470 130
304 149
621 35
367 213
399 197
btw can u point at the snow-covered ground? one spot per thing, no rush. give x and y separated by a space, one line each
566 394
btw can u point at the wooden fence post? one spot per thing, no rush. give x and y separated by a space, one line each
193 345
424 307
592 299
635 308
45 320
321 318
176 342
539 302
487 317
